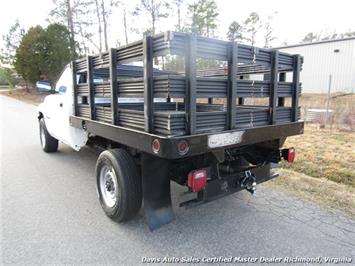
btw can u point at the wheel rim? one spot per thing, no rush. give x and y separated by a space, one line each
43 137
108 186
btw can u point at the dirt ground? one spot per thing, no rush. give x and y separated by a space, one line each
32 96
324 170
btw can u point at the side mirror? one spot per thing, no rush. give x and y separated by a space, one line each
43 86
62 89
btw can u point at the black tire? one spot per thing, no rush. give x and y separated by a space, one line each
48 143
129 186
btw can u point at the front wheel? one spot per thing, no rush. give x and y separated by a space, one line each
118 184
48 143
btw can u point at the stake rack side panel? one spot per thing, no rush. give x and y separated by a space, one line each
171 119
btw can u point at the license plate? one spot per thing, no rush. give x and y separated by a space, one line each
225 139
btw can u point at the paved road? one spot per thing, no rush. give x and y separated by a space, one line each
50 213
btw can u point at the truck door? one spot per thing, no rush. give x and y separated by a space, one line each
62 108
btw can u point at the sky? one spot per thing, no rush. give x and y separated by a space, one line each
294 19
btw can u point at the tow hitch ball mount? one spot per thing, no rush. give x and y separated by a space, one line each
249 182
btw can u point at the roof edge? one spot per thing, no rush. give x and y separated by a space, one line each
312 43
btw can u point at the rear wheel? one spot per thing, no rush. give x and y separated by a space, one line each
48 143
118 184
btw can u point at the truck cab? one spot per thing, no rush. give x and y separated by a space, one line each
56 110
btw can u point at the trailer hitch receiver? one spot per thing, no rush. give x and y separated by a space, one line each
249 182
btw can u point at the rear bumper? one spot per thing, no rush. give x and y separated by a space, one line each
198 144
218 188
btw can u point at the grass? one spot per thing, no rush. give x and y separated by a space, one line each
324 153
320 190
324 169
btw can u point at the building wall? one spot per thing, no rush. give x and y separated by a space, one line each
320 61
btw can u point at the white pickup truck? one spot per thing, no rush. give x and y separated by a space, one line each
211 147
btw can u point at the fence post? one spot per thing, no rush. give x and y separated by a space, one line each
328 99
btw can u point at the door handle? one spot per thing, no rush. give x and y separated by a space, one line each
60 104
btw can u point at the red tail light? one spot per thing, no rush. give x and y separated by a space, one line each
291 154
197 180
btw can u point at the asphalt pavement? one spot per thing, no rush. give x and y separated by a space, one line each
50 214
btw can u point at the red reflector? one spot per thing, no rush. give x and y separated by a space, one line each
183 147
156 146
291 154
197 180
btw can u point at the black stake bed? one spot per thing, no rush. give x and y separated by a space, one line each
104 85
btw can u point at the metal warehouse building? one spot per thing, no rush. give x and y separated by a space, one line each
321 59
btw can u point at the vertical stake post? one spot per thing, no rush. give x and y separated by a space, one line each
91 86
281 100
296 86
113 85
273 86
75 89
232 84
148 84
190 83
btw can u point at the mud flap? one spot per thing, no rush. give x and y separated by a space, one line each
156 191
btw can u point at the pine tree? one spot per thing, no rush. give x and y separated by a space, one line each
204 15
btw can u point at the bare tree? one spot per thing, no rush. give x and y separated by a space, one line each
71 26
105 15
11 42
252 26
178 4
268 37
99 23
64 12
155 8
235 32
125 25
75 14
105 11
310 37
